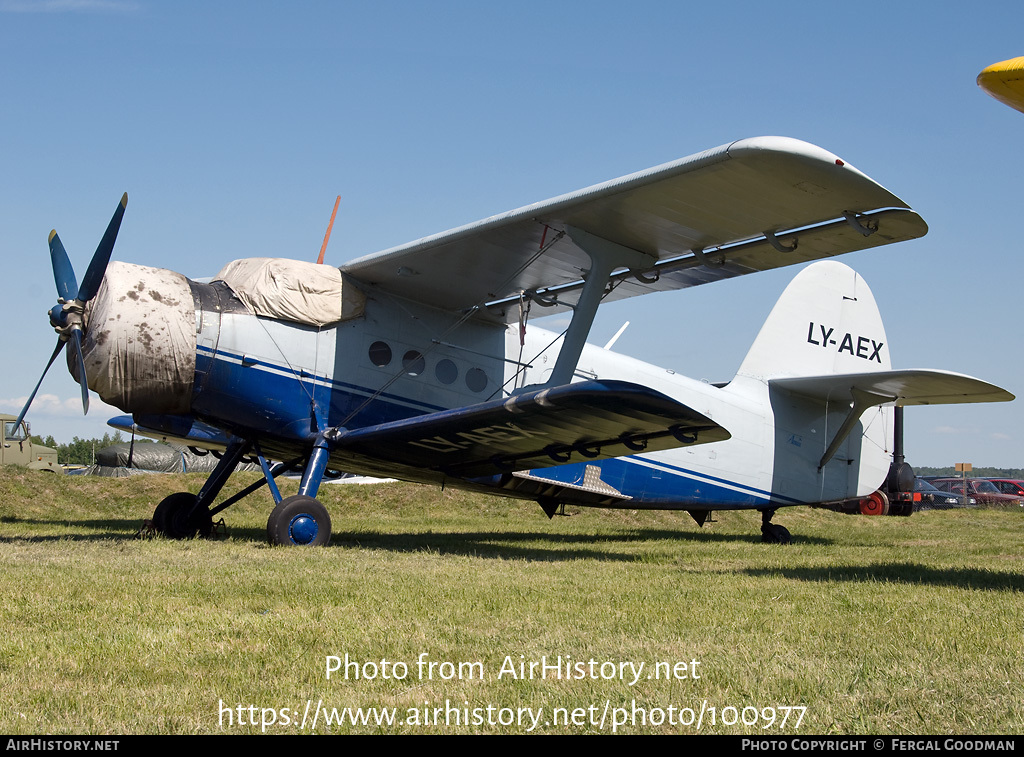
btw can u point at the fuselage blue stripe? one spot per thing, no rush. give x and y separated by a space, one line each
751 489
298 377
632 475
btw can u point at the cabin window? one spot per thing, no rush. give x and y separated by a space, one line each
446 371
380 354
476 380
413 362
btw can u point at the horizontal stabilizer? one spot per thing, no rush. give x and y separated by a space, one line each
871 389
579 422
902 387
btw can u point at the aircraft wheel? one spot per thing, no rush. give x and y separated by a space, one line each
299 521
171 517
773 533
901 508
876 504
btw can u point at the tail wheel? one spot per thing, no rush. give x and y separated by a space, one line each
299 521
901 508
876 504
773 533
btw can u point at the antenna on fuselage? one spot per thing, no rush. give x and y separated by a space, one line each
615 338
327 236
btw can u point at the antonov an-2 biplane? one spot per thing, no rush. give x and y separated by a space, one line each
415 362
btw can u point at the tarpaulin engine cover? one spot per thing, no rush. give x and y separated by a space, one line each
157 457
293 290
140 340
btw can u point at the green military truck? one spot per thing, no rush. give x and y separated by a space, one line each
18 448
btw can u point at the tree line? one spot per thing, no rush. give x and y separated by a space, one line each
79 451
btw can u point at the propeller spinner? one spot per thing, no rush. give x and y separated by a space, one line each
66 315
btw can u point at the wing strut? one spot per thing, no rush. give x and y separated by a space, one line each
605 257
862 401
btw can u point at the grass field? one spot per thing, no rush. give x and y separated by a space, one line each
874 625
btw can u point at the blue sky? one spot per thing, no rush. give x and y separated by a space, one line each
233 126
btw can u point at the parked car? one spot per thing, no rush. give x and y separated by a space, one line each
981 489
936 499
1009 486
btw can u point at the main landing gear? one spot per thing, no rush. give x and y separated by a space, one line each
300 520
773 533
177 517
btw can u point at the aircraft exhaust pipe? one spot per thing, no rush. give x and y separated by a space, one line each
901 476
897 433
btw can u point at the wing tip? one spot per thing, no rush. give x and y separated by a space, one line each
1003 81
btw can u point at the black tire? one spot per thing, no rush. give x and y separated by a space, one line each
299 521
902 509
171 517
772 533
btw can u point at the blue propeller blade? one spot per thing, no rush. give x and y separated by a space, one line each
63 273
76 340
68 290
98 264
56 351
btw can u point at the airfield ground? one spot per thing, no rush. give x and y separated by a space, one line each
874 625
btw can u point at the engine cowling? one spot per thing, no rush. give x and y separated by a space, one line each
140 340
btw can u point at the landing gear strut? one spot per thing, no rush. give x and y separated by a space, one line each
298 520
773 533
185 515
301 520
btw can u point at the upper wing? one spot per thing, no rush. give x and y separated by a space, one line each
747 206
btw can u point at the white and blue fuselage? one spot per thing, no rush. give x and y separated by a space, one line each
284 380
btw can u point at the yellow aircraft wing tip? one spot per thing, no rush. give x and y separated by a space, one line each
1005 82
1006 66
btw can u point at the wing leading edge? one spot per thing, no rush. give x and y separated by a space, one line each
746 206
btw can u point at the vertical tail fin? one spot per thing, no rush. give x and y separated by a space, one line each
825 322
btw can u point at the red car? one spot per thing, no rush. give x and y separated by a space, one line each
1009 486
981 489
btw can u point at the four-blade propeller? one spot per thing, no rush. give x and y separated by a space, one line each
66 315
